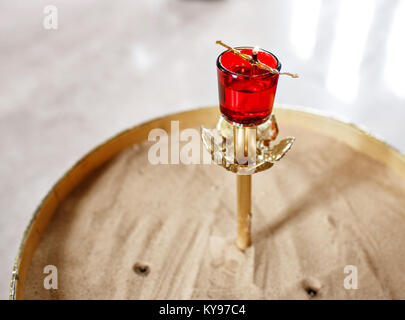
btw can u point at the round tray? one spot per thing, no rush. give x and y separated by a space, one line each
116 226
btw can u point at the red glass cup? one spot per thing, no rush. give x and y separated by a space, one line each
246 92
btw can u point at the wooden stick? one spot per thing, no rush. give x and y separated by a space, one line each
255 62
244 196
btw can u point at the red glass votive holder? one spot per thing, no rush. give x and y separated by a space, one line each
246 92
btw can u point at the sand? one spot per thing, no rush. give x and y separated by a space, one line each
138 231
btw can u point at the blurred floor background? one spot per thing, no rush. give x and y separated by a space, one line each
113 64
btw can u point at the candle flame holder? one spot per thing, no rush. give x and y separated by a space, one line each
242 141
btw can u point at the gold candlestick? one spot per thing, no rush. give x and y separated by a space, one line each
245 151
242 147
244 196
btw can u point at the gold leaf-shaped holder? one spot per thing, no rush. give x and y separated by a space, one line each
245 150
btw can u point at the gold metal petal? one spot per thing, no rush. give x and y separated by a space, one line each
279 150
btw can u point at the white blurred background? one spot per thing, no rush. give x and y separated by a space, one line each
113 64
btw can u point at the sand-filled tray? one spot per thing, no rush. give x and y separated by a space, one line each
118 227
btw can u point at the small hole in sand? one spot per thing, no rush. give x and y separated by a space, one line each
141 269
311 292
311 287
